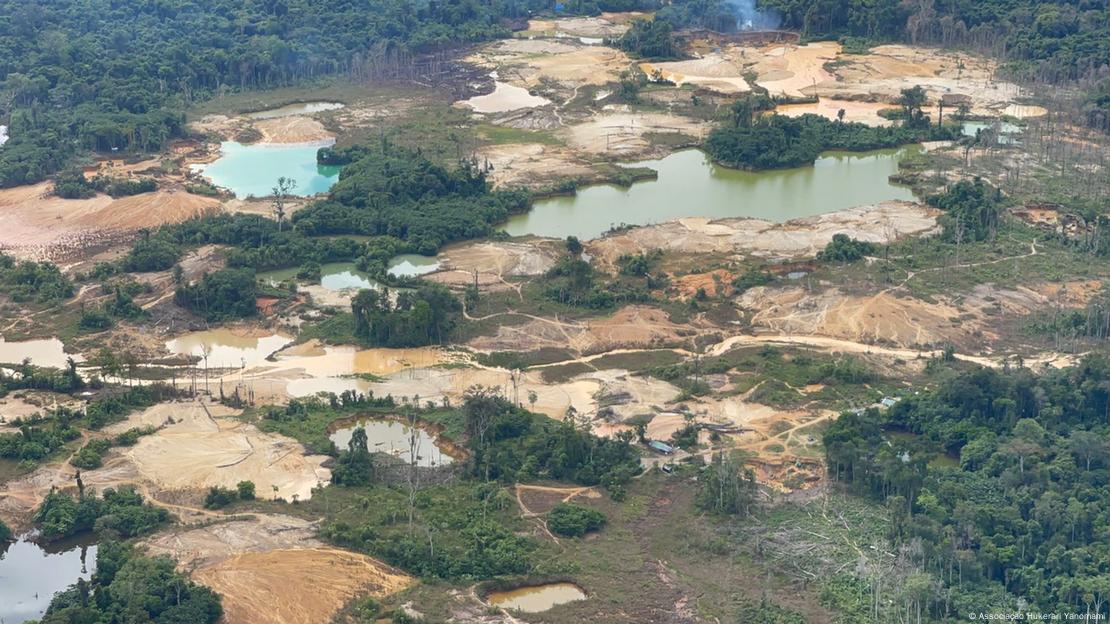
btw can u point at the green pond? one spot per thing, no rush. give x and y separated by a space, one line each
253 170
689 185
333 276
412 265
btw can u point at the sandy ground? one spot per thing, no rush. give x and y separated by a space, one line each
270 569
882 74
494 261
861 112
628 327
529 62
712 71
532 165
969 321
197 447
293 129
28 403
879 223
201 446
883 317
792 70
605 25
37 225
618 132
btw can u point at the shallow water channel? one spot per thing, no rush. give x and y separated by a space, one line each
30 574
392 438
689 185
253 170
536 598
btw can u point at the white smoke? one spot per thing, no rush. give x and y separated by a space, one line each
750 18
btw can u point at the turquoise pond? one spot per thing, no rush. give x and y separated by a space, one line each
253 170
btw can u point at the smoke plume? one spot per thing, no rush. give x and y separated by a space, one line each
750 18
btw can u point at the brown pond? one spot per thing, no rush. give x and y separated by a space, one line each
393 438
536 598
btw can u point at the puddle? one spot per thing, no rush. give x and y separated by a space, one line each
392 438
30 574
333 276
290 110
536 598
228 348
412 265
46 352
505 97
253 170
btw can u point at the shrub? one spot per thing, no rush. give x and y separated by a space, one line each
571 520
844 249
219 497
246 490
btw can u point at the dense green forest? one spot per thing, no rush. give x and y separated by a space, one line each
116 76
416 318
1059 39
1003 480
776 141
130 587
388 190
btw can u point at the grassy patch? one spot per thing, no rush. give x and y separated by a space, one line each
336 329
503 135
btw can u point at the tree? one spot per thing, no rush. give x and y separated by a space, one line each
726 487
355 466
281 192
912 101
1088 447
574 246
